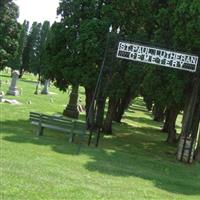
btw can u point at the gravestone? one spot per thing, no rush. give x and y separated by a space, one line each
13 90
46 87
71 109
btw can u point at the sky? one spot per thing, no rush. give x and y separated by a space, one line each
37 10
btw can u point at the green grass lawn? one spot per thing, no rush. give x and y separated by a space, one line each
134 163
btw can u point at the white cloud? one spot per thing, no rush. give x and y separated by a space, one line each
37 10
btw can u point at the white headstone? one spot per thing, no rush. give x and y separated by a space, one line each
46 87
13 90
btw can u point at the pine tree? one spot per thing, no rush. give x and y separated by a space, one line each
9 29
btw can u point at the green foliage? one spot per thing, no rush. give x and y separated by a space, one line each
41 48
55 55
16 61
84 32
34 40
186 24
9 29
34 51
31 50
177 28
80 42
164 86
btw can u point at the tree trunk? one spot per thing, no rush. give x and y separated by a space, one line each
196 119
119 111
122 105
101 101
158 112
172 116
149 103
89 92
21 72
186 103
197 152
109 116
191 120
190 111
166 124
195 128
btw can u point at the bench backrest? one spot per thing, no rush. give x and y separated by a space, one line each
52 120
58 123
79 124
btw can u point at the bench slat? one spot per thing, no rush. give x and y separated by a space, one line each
57 118
34 118
59 123
56 121
63 129
44 125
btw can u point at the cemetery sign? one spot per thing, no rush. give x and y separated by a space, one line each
157 56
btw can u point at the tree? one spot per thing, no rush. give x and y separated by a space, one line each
16 61
41 47
8 31
30 56
80 43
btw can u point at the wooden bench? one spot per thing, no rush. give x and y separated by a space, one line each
59 123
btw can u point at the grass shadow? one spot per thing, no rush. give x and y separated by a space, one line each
131 152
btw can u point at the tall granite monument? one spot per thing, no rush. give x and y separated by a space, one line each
71 109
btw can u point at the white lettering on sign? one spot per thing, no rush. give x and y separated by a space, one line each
145 54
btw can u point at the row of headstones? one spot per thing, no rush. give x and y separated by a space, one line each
45 90
14 91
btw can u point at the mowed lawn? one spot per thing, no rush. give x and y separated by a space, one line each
135 163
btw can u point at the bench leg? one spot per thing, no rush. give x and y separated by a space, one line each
40 131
